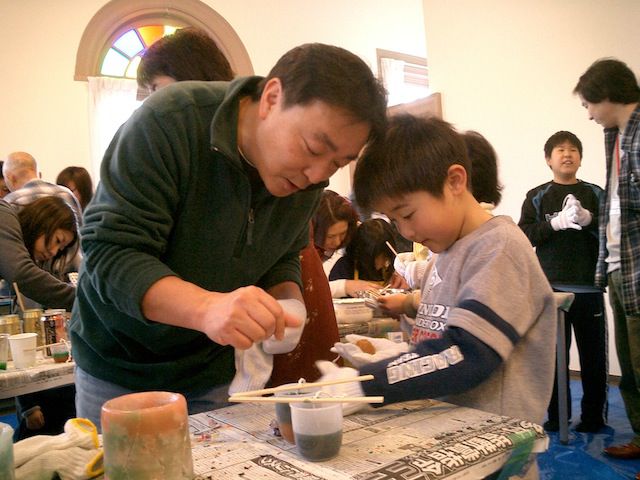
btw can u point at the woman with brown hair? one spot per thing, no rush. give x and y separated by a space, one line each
78 180
34 244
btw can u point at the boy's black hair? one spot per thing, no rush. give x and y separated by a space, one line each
333 75
608 79
485 185
561 137
414 155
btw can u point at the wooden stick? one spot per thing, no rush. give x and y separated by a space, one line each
300 386
393 250
294 399
18 296
42 347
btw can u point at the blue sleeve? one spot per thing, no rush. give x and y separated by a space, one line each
449 365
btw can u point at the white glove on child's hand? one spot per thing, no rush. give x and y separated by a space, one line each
384 348
330 371
401 261
565 219
582 216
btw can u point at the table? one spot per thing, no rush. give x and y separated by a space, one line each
46 374
412 440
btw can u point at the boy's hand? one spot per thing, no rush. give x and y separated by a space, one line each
331 372
566 219
582 216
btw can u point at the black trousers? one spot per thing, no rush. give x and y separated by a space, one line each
587 318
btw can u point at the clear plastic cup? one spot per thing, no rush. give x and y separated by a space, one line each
60 352
23 349
283 411
317 428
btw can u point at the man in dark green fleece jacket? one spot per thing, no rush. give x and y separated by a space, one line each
203 206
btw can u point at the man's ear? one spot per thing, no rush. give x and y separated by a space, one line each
548 160
457 179
271 95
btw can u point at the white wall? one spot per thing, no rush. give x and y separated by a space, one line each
508 69
44 111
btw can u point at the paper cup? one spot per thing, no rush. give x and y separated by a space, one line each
317 428
146 435
283 411
23 349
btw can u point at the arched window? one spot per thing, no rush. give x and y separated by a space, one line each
119 16
110 48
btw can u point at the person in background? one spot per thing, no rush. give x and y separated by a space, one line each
39 232
20 171
560 218
21 174
3 185
187 54
224 164
78 180
334 224
487 307
609 91
368 256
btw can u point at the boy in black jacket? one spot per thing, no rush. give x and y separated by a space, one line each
560 218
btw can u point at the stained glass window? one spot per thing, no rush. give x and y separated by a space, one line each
123 57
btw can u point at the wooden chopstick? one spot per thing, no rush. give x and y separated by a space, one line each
294 399
300 386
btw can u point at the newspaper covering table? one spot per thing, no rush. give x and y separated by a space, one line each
412 440
46 374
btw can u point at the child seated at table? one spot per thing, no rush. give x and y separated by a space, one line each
485 330
368 256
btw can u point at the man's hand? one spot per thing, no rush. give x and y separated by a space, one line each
245 316
35 420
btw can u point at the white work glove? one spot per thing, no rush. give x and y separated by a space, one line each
330 371
401 261
255 364
353 354
292 335
74 454
566 218
583 216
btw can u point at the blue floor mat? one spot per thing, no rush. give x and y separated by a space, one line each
582 458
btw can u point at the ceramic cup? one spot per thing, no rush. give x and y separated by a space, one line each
283 411
6 452
4 350
317 428
146 436
23 349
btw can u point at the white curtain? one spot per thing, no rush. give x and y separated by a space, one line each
393 79
111 102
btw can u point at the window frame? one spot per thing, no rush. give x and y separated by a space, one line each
119 16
